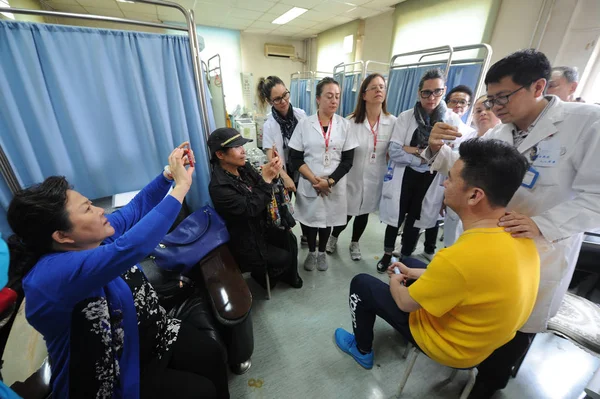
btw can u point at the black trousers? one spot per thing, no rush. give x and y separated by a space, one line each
197 369
311 237
371 297
358 227
414 188
495 371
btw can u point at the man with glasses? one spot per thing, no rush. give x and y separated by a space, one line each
459 99
559 198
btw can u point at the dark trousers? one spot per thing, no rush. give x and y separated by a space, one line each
431 235
197 369
494 372
311 237
280 262
358 227
414 188
371 297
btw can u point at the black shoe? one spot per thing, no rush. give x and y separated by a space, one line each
480 391
294 281
384 263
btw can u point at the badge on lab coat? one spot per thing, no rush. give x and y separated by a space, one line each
546 153
327 158
530 177
373 158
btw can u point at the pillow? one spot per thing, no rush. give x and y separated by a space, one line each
578 320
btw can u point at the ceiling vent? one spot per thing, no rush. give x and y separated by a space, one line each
280 50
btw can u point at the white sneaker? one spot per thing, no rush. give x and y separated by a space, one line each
311 261
322 261
427 255
355 251
397 247
331 245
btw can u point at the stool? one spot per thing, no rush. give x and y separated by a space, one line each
414 353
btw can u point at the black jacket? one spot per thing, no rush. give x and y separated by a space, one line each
245 213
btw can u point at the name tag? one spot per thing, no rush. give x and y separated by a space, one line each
546 153
372 158
530 178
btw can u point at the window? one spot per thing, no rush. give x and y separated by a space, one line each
348 44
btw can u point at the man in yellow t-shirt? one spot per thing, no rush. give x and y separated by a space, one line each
474 295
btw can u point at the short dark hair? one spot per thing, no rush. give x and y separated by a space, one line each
524 67
323 82
34 214
264 87
494 166
460 89
435 73
568 73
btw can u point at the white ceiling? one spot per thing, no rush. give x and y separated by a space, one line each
251 16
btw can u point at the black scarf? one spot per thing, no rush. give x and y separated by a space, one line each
425 123
287 124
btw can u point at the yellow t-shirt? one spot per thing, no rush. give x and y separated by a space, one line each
474 296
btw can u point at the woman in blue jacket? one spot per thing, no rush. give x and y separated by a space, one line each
107 335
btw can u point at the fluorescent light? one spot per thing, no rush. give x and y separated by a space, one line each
125 1
4 3
288 16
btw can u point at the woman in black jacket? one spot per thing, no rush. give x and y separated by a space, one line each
241 196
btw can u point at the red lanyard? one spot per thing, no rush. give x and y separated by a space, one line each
327 135
374 132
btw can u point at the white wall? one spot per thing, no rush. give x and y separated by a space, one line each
515 26
377 41
557 28
330 51
255 62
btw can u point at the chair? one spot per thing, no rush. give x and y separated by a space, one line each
414 353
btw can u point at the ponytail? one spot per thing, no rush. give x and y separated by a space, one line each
263 89
22 259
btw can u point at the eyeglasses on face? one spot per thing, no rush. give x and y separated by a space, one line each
428 93
458 103
500 100
278 100
375 87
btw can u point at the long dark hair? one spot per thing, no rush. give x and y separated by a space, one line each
264 87
360 112
34 214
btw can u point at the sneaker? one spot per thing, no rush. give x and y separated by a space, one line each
346 342
428 255
355 251
397 248
303 241
331 245
311 261
384 263
322 261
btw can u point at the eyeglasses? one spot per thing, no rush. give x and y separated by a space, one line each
428 93
501 100
460 103
278 100
375 87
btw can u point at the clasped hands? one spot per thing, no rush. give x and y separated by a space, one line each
322 186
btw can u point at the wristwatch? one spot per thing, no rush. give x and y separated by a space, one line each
418 151
331 182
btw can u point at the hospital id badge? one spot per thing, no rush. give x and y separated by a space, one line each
327 159
373 158
546 153
530 178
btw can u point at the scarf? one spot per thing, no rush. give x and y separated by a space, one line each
425 123
287 124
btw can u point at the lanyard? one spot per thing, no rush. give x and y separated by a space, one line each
374 132
327 135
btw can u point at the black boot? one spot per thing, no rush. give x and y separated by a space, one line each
293 279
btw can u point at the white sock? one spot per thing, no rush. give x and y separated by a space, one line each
312 252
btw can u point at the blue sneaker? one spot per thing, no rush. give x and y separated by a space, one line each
346 342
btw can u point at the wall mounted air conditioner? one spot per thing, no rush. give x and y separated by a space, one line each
280 50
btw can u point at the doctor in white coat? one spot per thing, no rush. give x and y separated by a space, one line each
560 196
322 149
372 125
409 188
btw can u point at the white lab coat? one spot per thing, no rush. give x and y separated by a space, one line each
365 179
389 208
565 200
312 209
272 134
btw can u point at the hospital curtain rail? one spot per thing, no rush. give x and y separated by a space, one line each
102 107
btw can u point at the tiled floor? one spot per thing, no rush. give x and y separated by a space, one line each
295 356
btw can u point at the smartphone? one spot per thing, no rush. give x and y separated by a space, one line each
190 157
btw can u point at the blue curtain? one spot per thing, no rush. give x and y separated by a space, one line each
300 93
403 84
350 95
102 107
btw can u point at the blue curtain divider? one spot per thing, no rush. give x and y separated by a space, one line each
301 91
102 107
403 83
